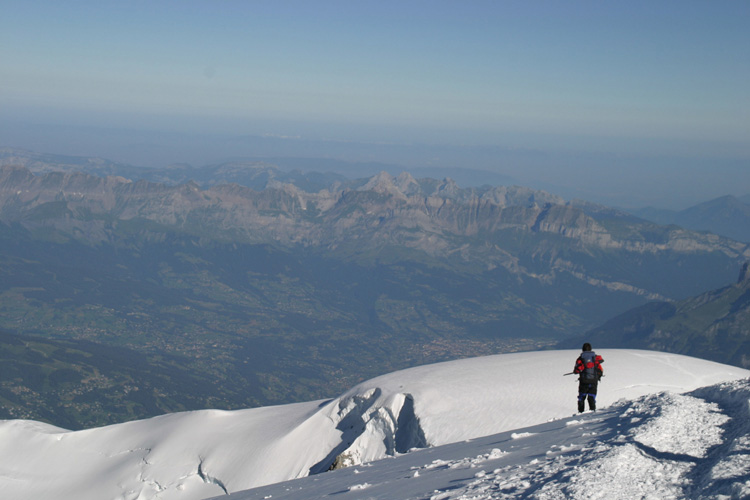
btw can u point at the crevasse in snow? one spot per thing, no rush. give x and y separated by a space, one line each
372 427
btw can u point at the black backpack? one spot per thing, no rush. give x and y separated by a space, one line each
590 374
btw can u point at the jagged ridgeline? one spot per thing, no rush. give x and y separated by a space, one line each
303 284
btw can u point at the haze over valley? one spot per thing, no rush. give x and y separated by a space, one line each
242 284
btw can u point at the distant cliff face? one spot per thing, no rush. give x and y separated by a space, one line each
494 226
383 209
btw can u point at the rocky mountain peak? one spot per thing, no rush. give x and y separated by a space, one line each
383 183
407 184
448 188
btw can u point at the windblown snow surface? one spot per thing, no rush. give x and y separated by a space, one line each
502 426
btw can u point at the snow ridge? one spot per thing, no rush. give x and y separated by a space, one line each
726 470
660 446
486 427
663 446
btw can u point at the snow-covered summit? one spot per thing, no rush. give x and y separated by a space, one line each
195 455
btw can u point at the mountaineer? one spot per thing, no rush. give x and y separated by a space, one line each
589 370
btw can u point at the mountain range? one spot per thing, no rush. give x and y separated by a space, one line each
272 286
728 216
309 173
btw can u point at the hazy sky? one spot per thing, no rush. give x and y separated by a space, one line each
665 78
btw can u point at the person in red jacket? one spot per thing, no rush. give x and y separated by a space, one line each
589 370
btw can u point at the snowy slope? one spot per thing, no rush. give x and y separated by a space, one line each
195 455
665 446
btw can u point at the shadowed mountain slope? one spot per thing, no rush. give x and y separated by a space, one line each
713 325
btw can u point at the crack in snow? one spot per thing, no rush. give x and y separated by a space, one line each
208 479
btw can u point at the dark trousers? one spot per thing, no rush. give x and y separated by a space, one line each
586 392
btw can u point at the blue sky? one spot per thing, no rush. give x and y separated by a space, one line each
665 78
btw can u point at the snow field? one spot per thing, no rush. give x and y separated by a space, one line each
195 455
